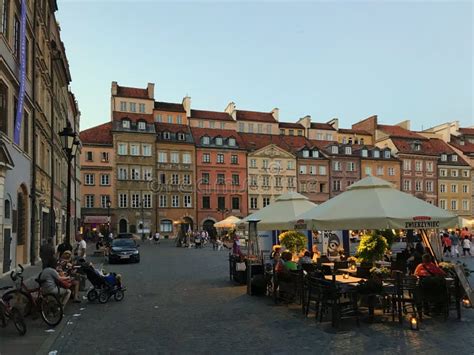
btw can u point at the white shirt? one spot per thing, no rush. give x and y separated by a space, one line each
81 245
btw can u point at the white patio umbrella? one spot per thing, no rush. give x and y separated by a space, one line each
229 222
281 213
373 203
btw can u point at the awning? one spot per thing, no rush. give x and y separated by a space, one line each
96 219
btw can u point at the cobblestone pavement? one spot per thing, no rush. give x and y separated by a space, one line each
181 301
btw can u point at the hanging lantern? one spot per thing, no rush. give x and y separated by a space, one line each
414 323
466 302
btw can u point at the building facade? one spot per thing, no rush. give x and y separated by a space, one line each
381 163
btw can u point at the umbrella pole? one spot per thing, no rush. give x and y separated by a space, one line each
427 242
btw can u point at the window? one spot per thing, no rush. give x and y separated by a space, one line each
187 201
250 127
253 180
305 153
16 37
407 164
376 153
253 163
89 156
454 172
282 131
234 159
442 204
290 165
442 188
103 200
3 99
219 141
407 185
253 203
454 157
205 178
231 142
379 170
322 170
221 202
418 165
166 226
5 12
162 157
146 200
465 173
159 118
364 153
259 128
146 149
206 202
368 170
123 200
206 140
350 166
319 136
186 158
89 179
444 157
220 158
429 166
241 127
443 172
135 173
122 173
212 124
291 181
147 174
336 185
266 201
269 129
141 108
220 179
391 171
337 166
278 182
312 169
163 201
418 185
167 135
135 201
134 149
454 205
387 154
329 137
105 179
265 180
104 156
465 189
133 107
206 158
265 163
142 126
348 150
174 179
334 149
174 157
200 124
89 201
454 188
291 132
187 179
300 132
302 169
465 205
235 179
429 186
222 125
175 201
122 149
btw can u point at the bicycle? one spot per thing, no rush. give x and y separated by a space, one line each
11 313
26 300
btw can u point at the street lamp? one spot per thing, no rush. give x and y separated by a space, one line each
108 216
143 221
70 144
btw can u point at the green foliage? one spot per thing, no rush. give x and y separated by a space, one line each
293 241
388 235
372 248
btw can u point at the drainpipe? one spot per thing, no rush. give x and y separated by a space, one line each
33 150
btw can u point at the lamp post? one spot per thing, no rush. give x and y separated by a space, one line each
108 216
252 250
143 221
70 144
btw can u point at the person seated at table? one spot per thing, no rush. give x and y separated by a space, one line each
305 259
428 268
276 253
287 262
316 253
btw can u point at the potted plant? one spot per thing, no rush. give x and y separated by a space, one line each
351 260
379 272
293 241
372 247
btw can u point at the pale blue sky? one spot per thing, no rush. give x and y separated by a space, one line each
399 60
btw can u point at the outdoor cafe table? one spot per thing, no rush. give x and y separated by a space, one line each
342 280
348 271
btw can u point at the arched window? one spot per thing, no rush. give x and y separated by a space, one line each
205 140
218 140
7 213
3 107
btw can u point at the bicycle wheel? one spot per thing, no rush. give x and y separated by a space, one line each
119 295
51 310
104 296
18 320
21 300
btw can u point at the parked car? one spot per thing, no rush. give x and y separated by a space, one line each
124 249
125 236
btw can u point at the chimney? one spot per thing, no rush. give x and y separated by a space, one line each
305 121
114 88
369 124
404 124
187 105
276 114
231 110
150 88
334 123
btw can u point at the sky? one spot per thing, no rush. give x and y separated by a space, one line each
396 59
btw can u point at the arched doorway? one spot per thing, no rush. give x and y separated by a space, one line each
123 226
208 225
22 225
187 224
7 232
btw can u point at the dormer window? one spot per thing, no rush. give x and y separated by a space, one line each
181 136
219 141
142 126
350 140
306 153
417 146
365 153
205 140
334 149
361 141
454 157
461 142
387 154
166 135
231 142
348 150
444 157
126 124
315 154
376 154
344 140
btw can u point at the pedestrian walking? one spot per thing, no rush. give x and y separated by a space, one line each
157 237
454 244
198 240
466 246
446 245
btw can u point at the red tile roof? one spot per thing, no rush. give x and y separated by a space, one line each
326 126
405 146
134 117
290 125
132 92
399 132
198 133
255 116
211 115
295 143
467 131
441 147
466 148
172 128
169 106
353 131
320 144
254 141
101 134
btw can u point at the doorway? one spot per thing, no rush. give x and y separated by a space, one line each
123 226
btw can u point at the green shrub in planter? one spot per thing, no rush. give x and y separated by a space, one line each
372 247
293 241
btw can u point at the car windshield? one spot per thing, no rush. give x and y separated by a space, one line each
123 243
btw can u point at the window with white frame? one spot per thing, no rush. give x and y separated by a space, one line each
170 118
454 172
147 174
305 153
391 171
350 166
219 141
376 153
429 166
166 135
454 157
103 200
234 159
454 205
379 170
135 173
142 126
187 202
269 129
141 108
465 173
336 185
231 142
250 127
89 201
135 200
134 149
442 204
312 169
253 203
315 154
302 169
442 188
174 157
368 170
146 149
444 157
322 170
220 158
465 205
123 106
265 180
418 165
186 158
278 181
291 181
126 124
253 180
162 157
319 136
334 149
337 166
407 185
89 179
201 124
348 150
364 153
133 107
290 165
443 172
166 226
123 200
122 149
222 125
122 173
147 201
179 119
105 179
387 154
181 136
266 201
175 201
454 188
407 164
220 179
187 179
206 158
241 127
104 156
259 128
212 124
206 140
265 163
465 189
159 118
418 185
253 163
163 201
174 179
429 186
329 137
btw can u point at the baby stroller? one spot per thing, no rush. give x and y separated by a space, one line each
103 286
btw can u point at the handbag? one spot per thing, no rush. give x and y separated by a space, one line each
65 283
